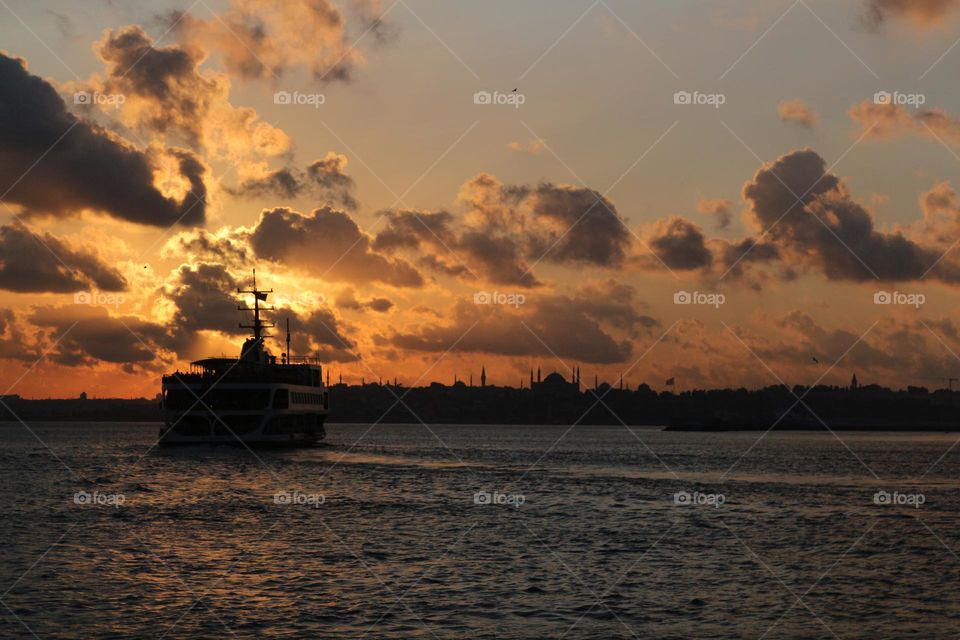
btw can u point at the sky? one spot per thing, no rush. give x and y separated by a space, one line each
727 194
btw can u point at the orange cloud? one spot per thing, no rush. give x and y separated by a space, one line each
799 112
922 13
264 39
887 121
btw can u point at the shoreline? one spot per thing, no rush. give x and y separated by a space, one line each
887 428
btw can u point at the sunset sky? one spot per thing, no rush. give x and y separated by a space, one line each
153 154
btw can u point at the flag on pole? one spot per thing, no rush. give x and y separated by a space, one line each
670 382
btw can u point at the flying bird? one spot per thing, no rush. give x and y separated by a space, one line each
815 360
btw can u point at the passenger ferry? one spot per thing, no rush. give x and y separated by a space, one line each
251 400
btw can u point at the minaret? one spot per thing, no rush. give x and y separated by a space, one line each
531 377
341 377
854 385
538 374
596 382
578 378
483 376
328 377
621 382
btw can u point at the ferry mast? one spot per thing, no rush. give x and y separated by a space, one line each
258 295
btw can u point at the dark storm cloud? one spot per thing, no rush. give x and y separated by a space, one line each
203 246
613 303
580 327
680 244
320 332
85 335
499 258
167 77
325 179
496 330
507 229
283 183
407 229
586 227
806 220
829 230
205 299
327 242
82 167
44 263
336 186
496 256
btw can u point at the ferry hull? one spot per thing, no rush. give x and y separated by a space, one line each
196 430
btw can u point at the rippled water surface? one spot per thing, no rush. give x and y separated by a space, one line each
378 534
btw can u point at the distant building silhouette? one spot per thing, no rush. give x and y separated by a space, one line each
555 385
853 383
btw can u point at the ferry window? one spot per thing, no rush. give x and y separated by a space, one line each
233 399
281 399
